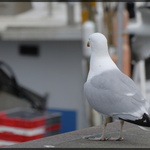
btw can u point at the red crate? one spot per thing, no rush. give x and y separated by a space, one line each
25 124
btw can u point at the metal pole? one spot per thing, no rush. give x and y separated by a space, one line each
70 12
119 36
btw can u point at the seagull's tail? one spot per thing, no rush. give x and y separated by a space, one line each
143 123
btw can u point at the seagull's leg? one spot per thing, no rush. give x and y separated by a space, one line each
102 138
120 138
122 123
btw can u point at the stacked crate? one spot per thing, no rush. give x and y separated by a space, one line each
25 124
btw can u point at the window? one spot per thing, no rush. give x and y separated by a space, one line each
29 50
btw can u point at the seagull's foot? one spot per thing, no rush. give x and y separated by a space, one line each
116 139
97 138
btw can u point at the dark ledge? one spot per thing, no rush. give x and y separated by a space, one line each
134 138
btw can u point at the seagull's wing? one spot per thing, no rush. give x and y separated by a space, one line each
116 95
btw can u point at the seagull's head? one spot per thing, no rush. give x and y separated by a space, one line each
98 43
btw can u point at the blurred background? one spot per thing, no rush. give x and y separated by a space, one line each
44 60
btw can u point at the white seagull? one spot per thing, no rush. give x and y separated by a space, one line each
111 92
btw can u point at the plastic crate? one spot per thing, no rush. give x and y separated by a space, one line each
25 124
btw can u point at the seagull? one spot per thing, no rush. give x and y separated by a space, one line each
111 92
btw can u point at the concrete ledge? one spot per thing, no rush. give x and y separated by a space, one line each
134 138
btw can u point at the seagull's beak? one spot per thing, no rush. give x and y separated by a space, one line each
88 44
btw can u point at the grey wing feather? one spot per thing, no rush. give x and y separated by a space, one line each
113 93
